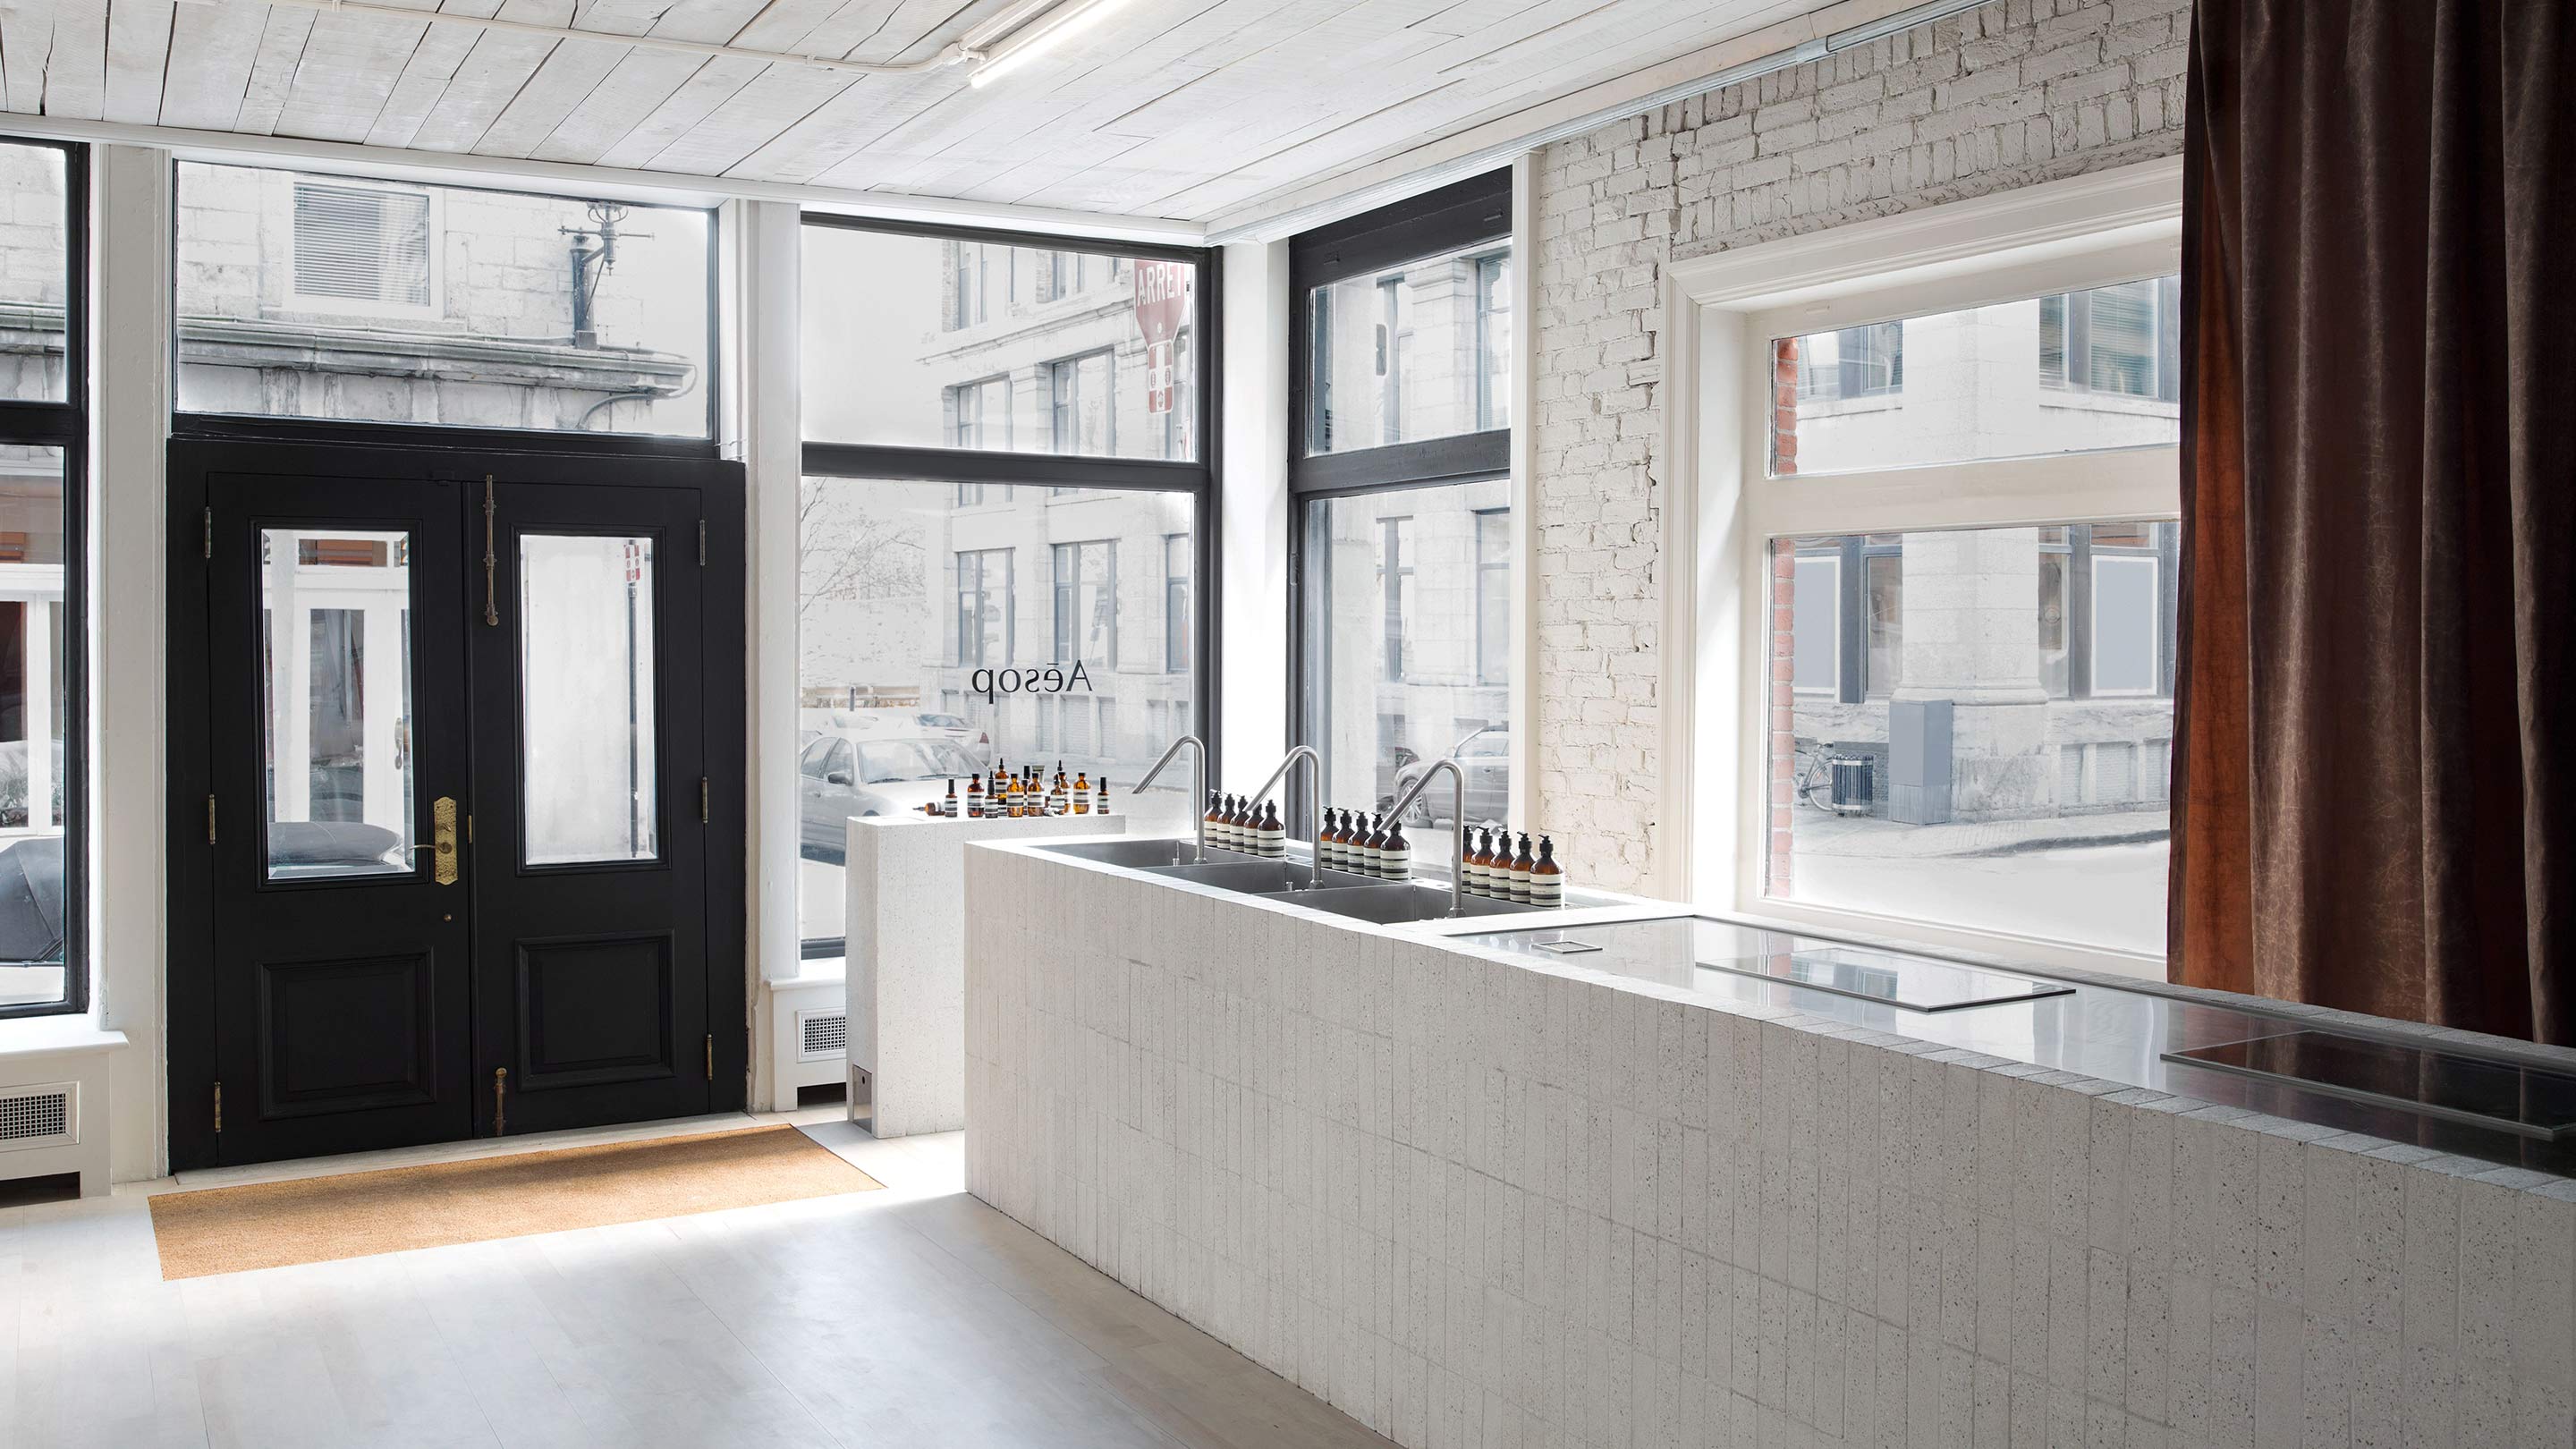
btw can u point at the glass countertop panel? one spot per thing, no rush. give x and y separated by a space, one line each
2505 1095
1673 952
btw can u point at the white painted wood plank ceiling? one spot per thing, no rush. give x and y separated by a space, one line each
1181 109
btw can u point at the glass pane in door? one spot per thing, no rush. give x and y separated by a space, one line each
586 735
335 630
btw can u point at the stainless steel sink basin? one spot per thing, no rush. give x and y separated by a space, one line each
1389 905
1255 877
1136 854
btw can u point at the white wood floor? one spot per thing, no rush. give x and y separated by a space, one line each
915 1316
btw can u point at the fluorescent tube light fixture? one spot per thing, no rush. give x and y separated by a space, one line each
1037 36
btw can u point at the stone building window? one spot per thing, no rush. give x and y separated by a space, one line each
364 244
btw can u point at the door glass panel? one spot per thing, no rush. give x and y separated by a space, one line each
586 698
335 625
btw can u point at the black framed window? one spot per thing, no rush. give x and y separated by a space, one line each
995 504
1401 536
43 605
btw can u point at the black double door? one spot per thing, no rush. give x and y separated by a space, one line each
461 738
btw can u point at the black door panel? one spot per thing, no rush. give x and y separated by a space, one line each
569 710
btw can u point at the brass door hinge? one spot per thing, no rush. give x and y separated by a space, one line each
706 796
219 1109
711 1058
210 533
210 820
500 1106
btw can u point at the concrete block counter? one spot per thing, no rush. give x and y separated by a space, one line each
907 972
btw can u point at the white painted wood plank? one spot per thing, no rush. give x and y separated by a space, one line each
642 80
138 56
489 78
76 72
272 70
349 66
778 26
1532 71
1545 49
425 76
569 74
1011 125
26 43
212 48
784 96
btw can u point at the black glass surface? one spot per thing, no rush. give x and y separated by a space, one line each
2503 1095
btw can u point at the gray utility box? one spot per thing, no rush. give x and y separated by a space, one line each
1918 761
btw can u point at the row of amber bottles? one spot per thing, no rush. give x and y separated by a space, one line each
1363 844
1496 871
1253 827
1023 795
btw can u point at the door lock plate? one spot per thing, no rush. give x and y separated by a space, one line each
442 818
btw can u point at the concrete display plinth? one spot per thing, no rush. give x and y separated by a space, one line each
907 959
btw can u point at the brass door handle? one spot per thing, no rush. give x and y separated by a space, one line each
442 836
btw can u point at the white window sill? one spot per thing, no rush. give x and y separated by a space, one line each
45 1036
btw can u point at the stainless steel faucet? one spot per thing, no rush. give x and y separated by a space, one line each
1457 825
1314 802
1198 791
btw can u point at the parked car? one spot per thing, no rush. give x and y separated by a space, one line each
1484 757
905 723
849 772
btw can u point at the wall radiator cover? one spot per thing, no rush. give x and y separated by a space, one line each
44 1115
822 1034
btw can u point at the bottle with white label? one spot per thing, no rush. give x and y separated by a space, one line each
1102 807
1364 850
1547 878
1471 871
1328 846
1395 854
1272 841
1523 866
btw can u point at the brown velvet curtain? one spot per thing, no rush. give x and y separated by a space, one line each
2376 702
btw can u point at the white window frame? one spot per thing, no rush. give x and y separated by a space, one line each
1725 509
433 310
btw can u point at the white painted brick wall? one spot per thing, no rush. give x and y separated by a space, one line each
2009 94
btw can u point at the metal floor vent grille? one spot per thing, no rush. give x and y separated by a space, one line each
825 1033
36 1116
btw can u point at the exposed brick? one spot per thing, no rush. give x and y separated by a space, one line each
2012 93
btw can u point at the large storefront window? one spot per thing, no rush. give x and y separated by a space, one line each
342 299
914 341
42 424
926 632
1397 669
1403 535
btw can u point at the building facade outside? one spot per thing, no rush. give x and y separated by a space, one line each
1959 699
